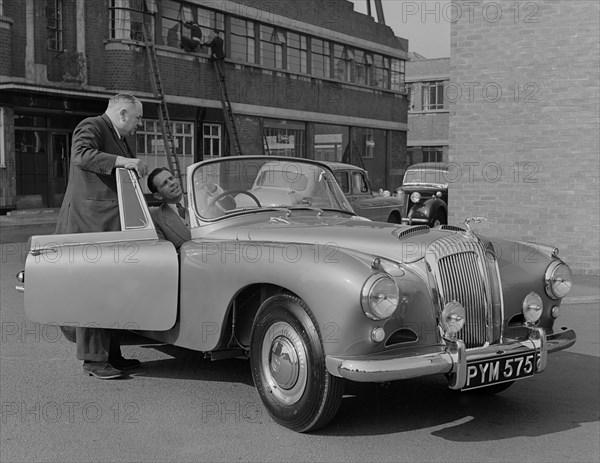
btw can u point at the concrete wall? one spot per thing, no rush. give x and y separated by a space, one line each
524 122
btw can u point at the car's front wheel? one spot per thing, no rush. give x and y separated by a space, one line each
288 365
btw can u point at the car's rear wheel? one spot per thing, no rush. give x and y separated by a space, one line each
288 366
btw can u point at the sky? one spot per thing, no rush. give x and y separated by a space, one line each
425 23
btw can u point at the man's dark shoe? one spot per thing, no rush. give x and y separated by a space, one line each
102 370
125 364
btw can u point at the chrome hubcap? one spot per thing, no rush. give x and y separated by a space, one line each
284 363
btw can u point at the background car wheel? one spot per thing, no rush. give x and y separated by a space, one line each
493 389
69 333
288 366
439 219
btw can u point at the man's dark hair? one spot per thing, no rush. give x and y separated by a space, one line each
154 173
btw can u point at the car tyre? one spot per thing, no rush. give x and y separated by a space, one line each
439 219
288 365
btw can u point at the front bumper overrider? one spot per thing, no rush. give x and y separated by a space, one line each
451 360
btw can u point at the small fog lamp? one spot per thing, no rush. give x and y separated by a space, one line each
378 334
532 307
453 319
555 312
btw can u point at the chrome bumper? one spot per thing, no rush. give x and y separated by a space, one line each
411 220
451 361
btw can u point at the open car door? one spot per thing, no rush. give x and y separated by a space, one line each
124 279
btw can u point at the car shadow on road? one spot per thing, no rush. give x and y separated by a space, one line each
561 398
187 364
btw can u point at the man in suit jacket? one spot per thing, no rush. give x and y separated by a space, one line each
170 219
91 205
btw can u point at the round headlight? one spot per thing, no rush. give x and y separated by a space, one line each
558 280
380 296
415 197
453 318
532 307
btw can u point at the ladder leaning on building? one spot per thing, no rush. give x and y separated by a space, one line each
163 114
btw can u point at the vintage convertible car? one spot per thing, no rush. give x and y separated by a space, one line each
356 185
424 194
280 270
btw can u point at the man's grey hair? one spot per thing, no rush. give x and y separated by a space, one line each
121 98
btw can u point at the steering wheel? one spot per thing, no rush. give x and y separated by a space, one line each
213 201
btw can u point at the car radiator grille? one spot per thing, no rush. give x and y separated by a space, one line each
459 265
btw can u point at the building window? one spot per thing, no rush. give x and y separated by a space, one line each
150 140
176 15
320 58
243 41
432 95
171 23
126 19
397 74
382 71
207 19
433 154
211 140
363 67
297 53
369 144
271 47
343 62
285 138
54 13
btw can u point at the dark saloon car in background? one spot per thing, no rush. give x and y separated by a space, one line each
281 271
424 194
356 186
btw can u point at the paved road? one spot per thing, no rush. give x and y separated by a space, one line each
182 407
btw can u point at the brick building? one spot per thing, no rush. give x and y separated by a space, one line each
524 123
428 110
321 79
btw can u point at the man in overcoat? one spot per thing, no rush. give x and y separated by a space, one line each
90 204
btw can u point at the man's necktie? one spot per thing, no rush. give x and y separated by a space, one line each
181 210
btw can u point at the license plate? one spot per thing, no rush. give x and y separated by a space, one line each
483 373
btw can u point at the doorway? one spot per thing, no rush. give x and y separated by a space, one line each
42 163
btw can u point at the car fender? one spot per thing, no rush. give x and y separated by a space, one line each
428 208
214 272
520 265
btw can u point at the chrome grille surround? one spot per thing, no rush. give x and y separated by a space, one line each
458 265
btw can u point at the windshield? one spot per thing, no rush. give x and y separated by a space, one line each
425 176
246 184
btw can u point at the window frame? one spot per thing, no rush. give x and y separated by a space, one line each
54 12
239 41
427 102
211 138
